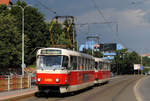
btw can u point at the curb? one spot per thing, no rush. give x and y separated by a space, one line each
136 92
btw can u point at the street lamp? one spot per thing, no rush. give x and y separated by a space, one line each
22 64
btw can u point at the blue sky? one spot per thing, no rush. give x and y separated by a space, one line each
133 17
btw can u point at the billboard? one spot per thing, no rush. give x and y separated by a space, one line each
108 47
137 66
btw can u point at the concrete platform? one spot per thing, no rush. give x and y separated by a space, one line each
8 95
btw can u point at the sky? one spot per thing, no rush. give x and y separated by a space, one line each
131 16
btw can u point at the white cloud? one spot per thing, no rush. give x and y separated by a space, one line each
127 17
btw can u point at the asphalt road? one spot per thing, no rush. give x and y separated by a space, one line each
144 89
118 89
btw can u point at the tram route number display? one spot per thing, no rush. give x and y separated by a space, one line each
51 52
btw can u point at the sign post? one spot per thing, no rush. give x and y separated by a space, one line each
137 67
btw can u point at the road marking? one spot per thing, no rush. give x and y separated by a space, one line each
136 92
115 77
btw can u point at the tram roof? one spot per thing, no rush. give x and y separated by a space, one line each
101 60
66 52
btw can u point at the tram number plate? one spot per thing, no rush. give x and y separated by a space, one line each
48 80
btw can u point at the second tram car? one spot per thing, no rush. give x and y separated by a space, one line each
62 70
102 70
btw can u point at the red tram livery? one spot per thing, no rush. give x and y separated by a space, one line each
62 70
102 70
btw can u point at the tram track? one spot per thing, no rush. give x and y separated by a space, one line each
108 92
122 89
106 88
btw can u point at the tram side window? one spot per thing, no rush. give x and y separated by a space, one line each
105 66
86 64
96 65
108 67
89 67
79 62
93 64
83 63
73 62
100 65
65 61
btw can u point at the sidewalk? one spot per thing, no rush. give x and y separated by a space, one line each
144 89
8 95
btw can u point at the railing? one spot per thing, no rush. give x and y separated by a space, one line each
14 82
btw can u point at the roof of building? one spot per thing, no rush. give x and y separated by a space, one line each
146 54
5 2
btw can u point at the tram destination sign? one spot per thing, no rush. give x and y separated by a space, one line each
51 52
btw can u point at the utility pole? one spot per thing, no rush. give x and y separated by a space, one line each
22 64
141 63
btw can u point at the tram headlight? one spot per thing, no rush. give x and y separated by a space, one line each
57 80
39 79
66 80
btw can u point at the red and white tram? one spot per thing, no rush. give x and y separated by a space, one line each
62 70
102 70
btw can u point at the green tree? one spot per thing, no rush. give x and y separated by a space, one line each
146 61
72 32
10 42
98 54
36 29
60 34
124 61
3 9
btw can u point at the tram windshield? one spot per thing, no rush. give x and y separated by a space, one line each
51 62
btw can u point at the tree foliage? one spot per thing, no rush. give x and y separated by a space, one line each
36 34
10 41
146 61
124 61
60 34
95 53
35 29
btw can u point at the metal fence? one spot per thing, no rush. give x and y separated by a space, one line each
14 82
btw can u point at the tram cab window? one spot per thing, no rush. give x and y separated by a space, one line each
65 61
49 62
